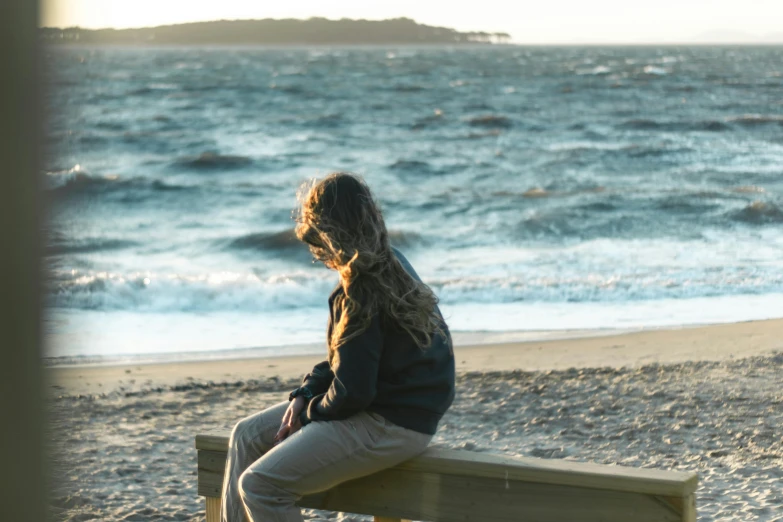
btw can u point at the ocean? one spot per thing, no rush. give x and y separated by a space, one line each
533 188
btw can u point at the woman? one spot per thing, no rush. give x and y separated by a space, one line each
388 379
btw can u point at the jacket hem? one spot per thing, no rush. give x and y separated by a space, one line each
422 421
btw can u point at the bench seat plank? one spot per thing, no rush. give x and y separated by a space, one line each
522 469
396 493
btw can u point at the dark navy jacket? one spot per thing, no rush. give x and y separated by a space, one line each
384 371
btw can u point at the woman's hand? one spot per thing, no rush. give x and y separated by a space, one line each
290 424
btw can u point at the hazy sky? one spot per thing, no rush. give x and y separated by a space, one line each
528 21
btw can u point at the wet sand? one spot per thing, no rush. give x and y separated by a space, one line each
706 399
663 346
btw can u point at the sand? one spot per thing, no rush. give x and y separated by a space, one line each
592 350
705 399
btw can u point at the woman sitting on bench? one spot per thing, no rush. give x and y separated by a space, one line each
388 379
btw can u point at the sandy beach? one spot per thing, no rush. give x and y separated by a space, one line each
705 399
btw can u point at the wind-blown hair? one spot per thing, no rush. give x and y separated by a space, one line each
344 228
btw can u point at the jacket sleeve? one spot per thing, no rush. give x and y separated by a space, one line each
319 378
355 367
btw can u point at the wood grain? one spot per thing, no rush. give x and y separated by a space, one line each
213 509
445 485
546 471
417 495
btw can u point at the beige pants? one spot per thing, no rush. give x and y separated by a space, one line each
264 481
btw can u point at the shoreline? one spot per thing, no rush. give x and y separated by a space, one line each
474 338
582 349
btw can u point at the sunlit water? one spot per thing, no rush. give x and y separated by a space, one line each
532 188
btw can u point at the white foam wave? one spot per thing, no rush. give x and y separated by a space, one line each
587 145
655 70
302 331
598 70
602 270
59 178
173 292
631 314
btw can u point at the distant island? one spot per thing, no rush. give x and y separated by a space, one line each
313 31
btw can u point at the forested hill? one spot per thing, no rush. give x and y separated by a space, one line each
316 31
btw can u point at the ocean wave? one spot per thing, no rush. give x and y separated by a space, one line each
482 175
75 176
408 168
614 217
77 181
541 192
213 161
491 121
654 70
652 151
755 120
289 88
327 121
412 167
536 192
436 118
492 133
111 125
406 239
162 186
681 88
172 292
90 138
408 88
151 292
201 86
601 206
598 70
310 122
758 213
641 124
633 150
675 126
59 245
568 146
748 189
479 106
698 203
284 241
153 88
613 286
551 224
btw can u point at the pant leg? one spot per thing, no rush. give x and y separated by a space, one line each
320 456
251 438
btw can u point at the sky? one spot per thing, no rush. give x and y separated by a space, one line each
528 21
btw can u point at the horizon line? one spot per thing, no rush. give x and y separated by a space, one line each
258 20
695 41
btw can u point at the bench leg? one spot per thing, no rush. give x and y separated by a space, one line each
689 509
683 506
213 509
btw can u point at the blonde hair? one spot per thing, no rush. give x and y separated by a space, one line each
340 221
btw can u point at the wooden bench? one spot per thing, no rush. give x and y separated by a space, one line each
448 485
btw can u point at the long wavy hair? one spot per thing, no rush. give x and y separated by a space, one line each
341 223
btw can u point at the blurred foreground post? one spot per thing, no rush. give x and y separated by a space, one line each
23 491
